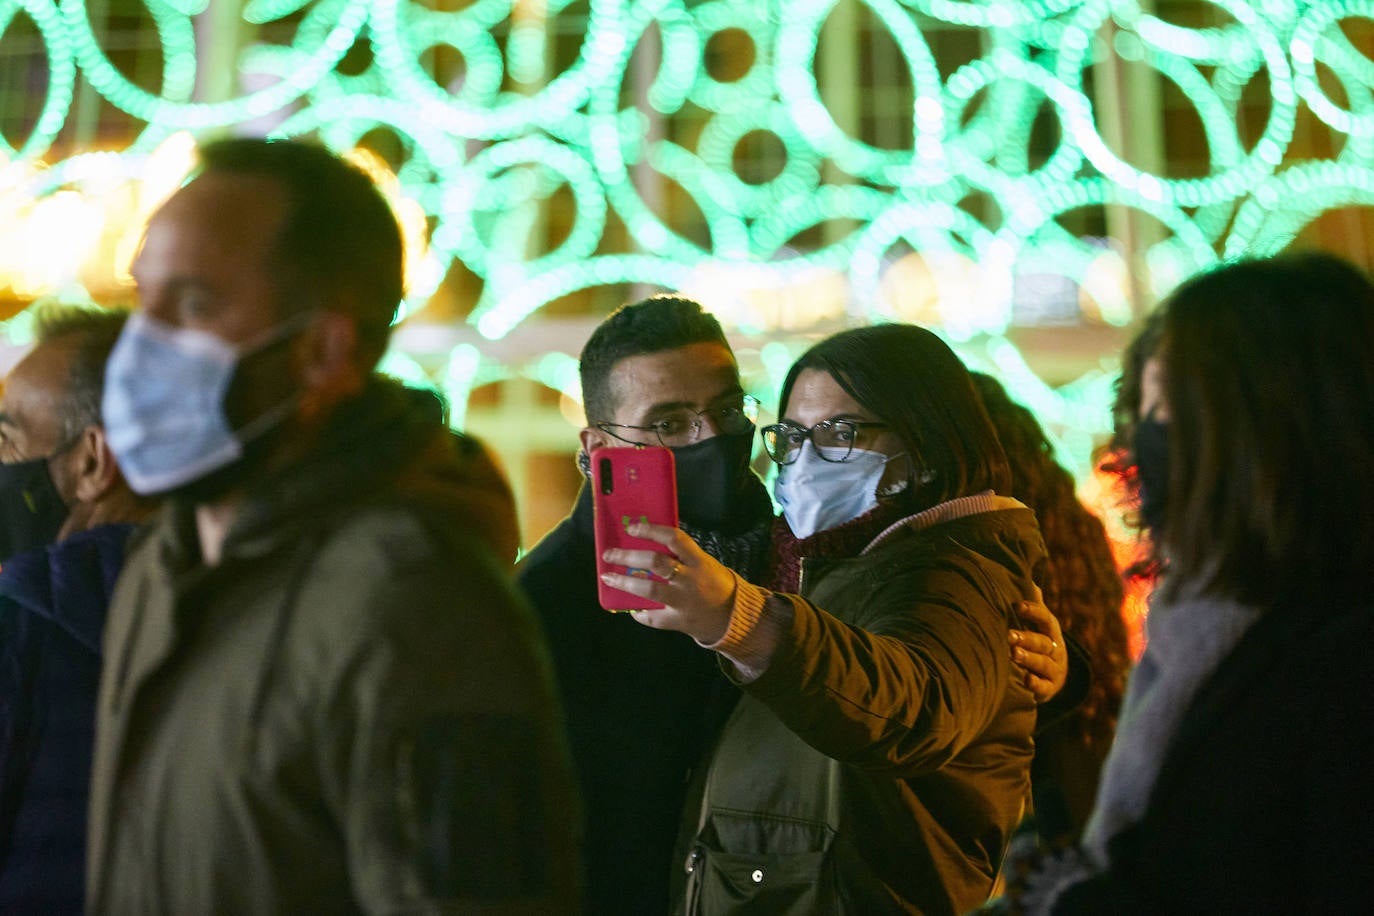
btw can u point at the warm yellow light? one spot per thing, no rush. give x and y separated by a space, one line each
164 171
45 242
744 298
572 411
409 215
1104 293
85 234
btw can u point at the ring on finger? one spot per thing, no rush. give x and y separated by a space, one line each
672 573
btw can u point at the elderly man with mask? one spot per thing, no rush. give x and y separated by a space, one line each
65 515
321 692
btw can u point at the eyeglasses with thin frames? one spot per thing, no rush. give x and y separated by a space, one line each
683 426
783 441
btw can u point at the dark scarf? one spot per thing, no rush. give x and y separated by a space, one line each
746 553
840 542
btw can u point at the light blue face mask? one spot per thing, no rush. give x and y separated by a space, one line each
163 406
817 495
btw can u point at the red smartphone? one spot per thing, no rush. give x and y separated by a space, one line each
629 485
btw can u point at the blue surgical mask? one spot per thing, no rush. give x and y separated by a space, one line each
817 495
164 402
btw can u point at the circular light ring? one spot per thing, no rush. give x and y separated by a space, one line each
601 58
1282 227
1187 192
1358 148
1224 150
929 227
1301 191
343 121
999 131
494 318
333 24
467 32
479 187
73 170
1045 35
616 141
799 212
992 14
177 37
61 75
966 147
1335 50
743 93
1214 220
796 55
709 189
358 113
1024 223
1228 44
721 136
680 62
1303 47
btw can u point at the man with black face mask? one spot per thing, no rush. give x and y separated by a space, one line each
50 427
65 516
642 703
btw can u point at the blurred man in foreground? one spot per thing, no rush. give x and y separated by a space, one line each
321 693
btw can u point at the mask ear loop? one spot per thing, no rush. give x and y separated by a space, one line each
270 418
913 481
897 487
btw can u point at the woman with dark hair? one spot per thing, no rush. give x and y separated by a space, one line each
1238 778
1145 498
1083 588
878 759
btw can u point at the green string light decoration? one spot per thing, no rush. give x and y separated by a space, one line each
522 126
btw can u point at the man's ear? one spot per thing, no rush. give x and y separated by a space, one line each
331 368
93 466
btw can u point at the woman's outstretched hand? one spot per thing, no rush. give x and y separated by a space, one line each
696 591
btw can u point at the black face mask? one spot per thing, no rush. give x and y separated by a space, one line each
711 477
31 509
1152 470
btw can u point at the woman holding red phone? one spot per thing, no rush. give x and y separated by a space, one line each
879 758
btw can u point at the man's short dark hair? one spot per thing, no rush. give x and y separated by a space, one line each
92 333
338 238
651 325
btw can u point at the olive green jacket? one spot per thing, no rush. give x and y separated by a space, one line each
352 712
881 760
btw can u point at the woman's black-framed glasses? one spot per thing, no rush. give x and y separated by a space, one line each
783 441
683 426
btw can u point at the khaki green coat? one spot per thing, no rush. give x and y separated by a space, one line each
352 712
